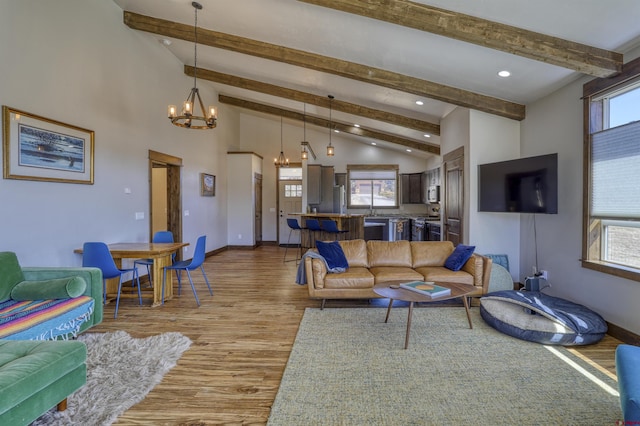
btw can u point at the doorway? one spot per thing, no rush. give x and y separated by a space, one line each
165 197
454 196
257 188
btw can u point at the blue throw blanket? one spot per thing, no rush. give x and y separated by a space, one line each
576 317
301 275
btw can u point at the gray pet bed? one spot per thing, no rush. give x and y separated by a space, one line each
537 317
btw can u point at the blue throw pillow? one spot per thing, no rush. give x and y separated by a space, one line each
459 257
333 254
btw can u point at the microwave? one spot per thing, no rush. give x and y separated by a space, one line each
433 193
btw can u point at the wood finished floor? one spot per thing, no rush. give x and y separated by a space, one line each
242 337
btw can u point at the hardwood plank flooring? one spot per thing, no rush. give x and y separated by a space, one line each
242 337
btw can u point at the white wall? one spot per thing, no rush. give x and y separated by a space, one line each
554 124
492 139
76 62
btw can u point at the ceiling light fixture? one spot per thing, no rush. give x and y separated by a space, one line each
356 125
188 118
304 154
330 151
419 103
504 73
281 161
427 135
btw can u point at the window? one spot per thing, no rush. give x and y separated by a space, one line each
291 191
290 173
611 235
372 186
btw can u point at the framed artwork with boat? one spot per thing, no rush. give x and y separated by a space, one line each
39 148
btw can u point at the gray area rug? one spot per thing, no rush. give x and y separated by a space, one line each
121 371
347 367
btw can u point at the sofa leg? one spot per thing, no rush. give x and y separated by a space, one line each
62 405
322 305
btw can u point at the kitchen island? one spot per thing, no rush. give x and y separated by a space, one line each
353 223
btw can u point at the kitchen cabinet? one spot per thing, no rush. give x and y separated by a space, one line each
314 181
434 232
412 188
327 182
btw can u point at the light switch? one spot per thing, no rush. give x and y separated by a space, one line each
127 190
139 215
186 212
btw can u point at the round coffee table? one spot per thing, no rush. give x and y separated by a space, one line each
457 291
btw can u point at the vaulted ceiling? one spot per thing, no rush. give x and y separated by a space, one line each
379 57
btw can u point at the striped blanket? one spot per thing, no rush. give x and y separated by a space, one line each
44 319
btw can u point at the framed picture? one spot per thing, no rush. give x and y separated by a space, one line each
207 185
38 148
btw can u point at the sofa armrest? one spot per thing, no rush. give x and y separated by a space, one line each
316 270
480 267
93 277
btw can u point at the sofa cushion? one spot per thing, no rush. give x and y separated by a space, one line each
440 273
10 274
384 274
59 288
356 252
333 254
389 253
459 257
430 253
355 277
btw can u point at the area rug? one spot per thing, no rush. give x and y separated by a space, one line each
347 367
121 371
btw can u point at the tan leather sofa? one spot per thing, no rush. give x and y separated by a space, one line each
375 262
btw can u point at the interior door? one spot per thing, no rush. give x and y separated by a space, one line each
290 197
454 196
165 198
257 184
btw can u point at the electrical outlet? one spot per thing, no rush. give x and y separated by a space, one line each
544 274
239 236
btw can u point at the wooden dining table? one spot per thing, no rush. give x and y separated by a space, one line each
161 255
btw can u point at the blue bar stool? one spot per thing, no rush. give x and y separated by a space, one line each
331 227
313 226
293 226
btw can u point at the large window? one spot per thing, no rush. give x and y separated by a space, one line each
611 236
372 186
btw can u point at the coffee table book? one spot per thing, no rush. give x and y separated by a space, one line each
428 288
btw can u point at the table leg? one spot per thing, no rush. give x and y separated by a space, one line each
388 310
158 270
406 339
466 307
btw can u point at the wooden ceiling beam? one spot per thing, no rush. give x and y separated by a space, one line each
321 122
328 65
529 44
311 99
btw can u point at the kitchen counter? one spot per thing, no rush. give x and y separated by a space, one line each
354 223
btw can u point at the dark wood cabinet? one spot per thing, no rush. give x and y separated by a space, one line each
412 188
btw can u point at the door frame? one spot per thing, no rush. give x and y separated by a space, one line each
174 196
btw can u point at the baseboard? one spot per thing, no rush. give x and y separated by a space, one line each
624 335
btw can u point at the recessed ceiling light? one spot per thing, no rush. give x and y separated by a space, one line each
373 143
419 103
336 130
504 73
408 150
165 41
427 136
356 125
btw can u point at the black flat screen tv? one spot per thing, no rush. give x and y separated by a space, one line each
524 185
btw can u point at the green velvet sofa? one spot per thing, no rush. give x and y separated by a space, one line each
41 310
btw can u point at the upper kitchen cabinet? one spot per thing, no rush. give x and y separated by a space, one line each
412 188
314 183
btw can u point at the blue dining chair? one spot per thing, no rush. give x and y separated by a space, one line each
158 237
97 255
189 265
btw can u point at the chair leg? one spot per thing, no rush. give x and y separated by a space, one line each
137 278
206 280
284 259
115 314
104 292
149 275
193 287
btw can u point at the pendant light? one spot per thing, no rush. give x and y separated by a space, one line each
207 118
330 151
304 154
281 161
